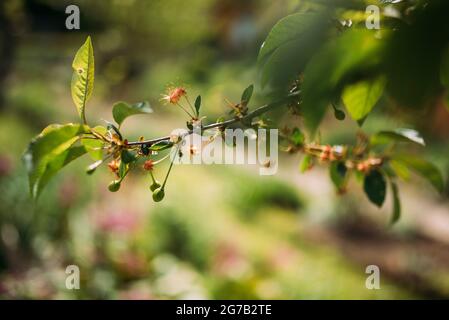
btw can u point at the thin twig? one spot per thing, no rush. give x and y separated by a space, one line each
255 113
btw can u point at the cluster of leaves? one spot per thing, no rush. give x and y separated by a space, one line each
375 161
57 145
315 62
406 60
327 53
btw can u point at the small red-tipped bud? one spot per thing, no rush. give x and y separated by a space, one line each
324 156
148 165
327 149
174 95
362 167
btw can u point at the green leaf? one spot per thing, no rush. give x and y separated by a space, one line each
246 95
123 170
306 163
289 46
359 176
398 135
127 156
297 137
122 110
197 105
396 203
50 151
83 77
161 145
94 146
424 168
355 52
361 97
285 30
338 173
375 187
400 169
57 162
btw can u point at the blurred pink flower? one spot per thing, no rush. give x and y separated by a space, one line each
283 258
118 222
5 165
136 294
68 192
132 265
228 261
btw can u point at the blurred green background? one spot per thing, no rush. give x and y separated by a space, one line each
223 231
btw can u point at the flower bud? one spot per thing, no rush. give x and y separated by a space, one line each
148 165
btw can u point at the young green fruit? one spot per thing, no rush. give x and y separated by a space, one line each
114 186
158 194
339 115
156 184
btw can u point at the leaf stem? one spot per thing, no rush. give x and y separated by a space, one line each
190 105
169 169
190 115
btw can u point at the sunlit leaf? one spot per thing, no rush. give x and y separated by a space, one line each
398 135
338 171
50 151
122 110
289 46
375 187
246 95
285 30
424 168
161 145
297 137
83 77
306 163
361 97
354 52
400 169
94 146
57 162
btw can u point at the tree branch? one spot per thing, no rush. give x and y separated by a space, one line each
254 113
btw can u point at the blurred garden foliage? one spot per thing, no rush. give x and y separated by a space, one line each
242 236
